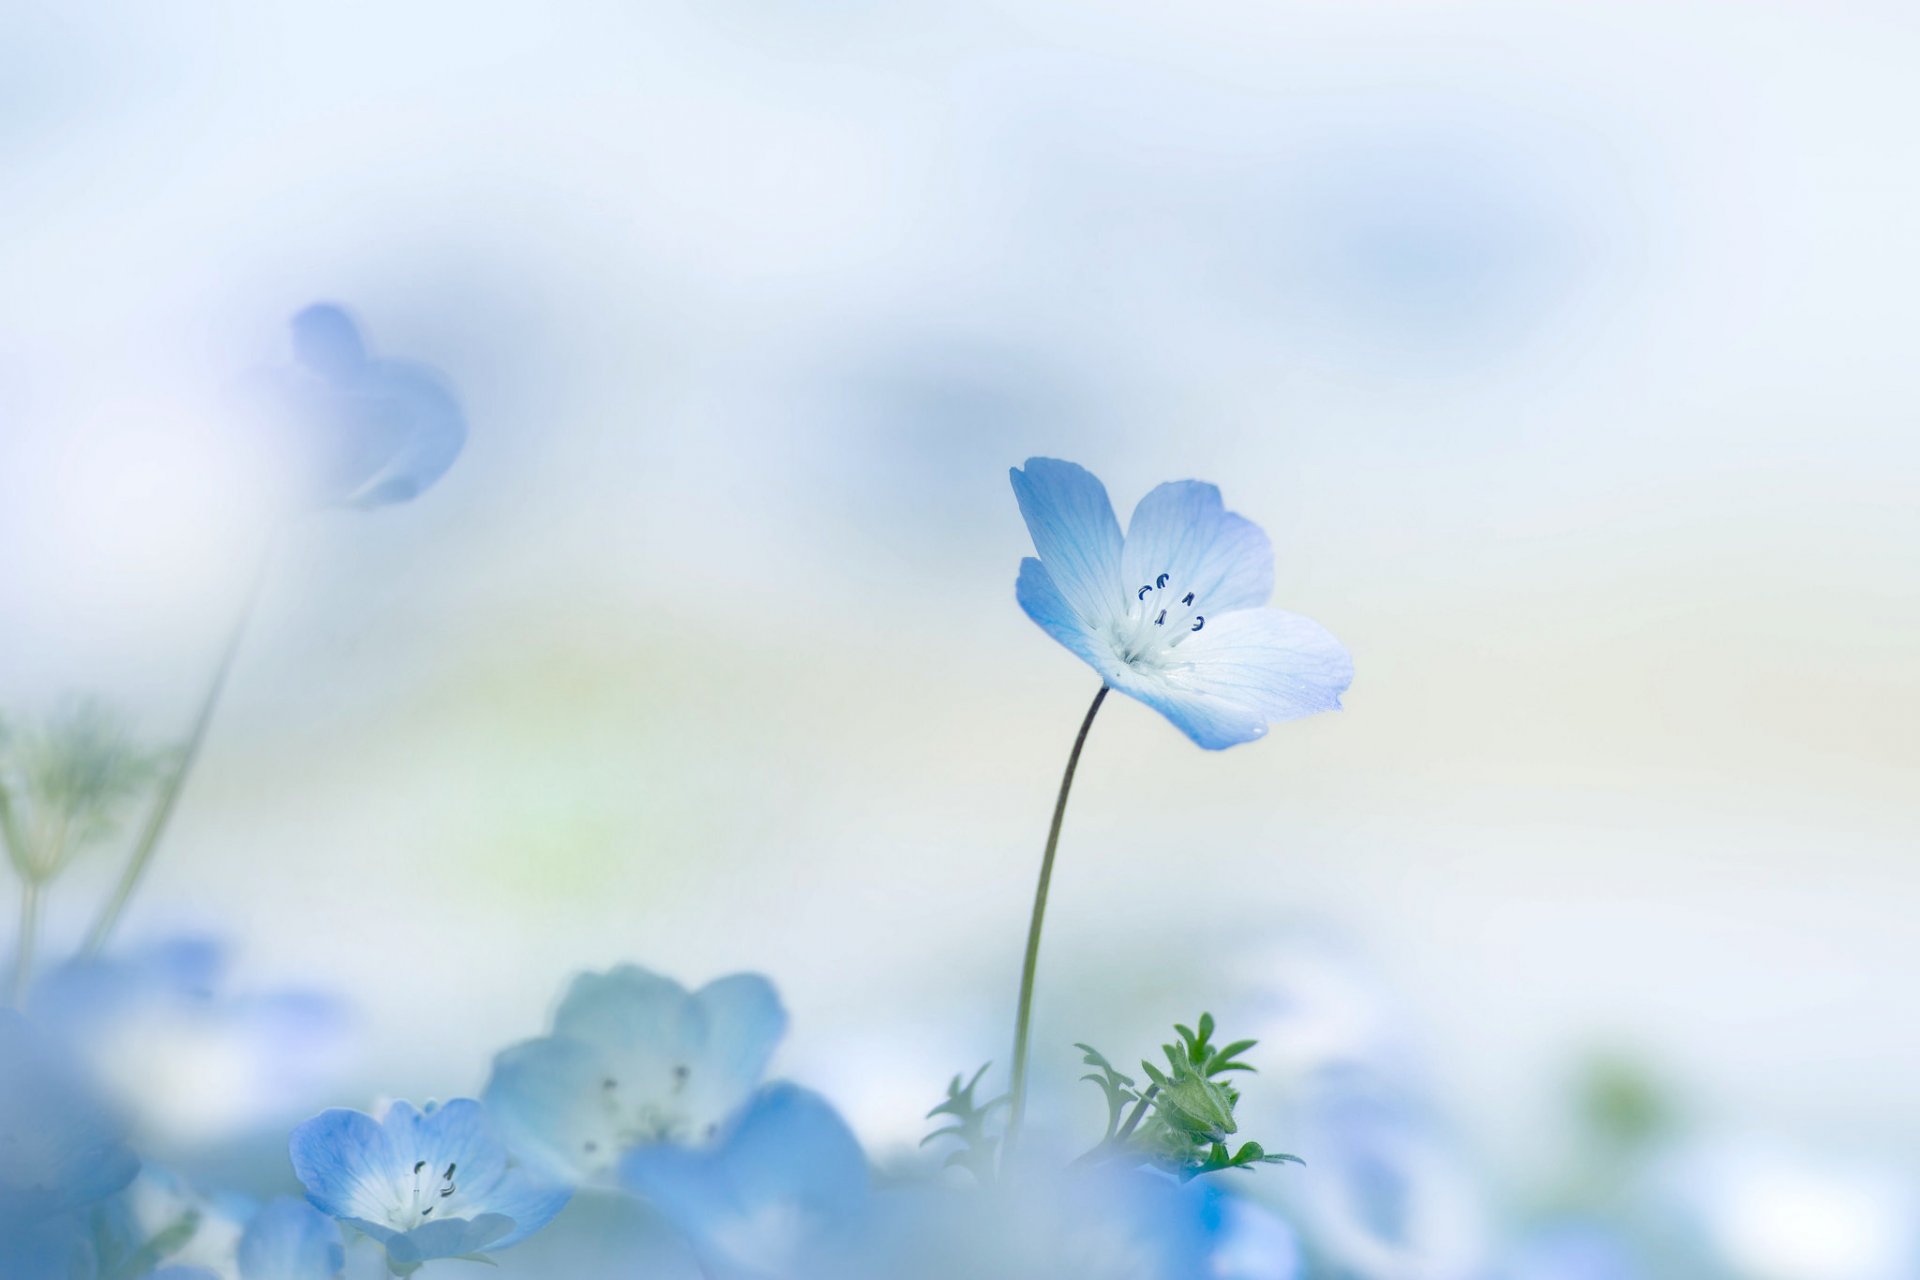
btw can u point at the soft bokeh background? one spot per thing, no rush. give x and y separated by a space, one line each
1563 350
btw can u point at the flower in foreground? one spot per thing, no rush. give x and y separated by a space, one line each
372 432
1173 612
782 1195
635 1059
432 1184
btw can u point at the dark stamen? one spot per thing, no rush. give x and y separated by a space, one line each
1189 598
418 1165
1161 619
1199 621
1159 583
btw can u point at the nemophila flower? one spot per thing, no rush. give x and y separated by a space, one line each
368 432
432 1184
782 1195
189 1059
634 1059
1173 612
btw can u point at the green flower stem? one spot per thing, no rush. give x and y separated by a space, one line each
169 793
29 934
1022 1023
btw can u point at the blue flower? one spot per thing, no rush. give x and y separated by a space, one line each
59 1248
634 1059
1388 1190
291 1240
1573 1250
190 1060
60 1149
1250 1242
1100 1223
1173 612
782 1195
433 1184
371 432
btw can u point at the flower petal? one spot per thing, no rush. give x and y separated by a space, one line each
785 1185
531 1204
623 1008
449 1238
1045 605
346 1162
456 1135
744 1022
291 1240
545 1095
1075 532
1182 530
1246 670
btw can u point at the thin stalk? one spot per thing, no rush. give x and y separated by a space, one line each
169 794
29 935
1023 1019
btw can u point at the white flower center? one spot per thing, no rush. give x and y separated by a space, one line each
637 1116
1161 615
423 1197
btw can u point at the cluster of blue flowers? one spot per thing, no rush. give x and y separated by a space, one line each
648 1102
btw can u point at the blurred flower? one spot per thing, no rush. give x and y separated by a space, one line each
60 1148
425 1185
57 1248
1103 1223
783 1194
190 1062
1251 1242
291 1240
1572 1250
61 1152
1384 1196
634 1059
1172 614
369 432
161 1217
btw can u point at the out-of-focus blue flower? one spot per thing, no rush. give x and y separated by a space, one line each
1384 1196
1102 1223
190 1062
634 1059
782 1195
201 1230
56 1248
432 1184
1173 612
60 1148
369 432
291 1240
1250 1241
1572 1251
